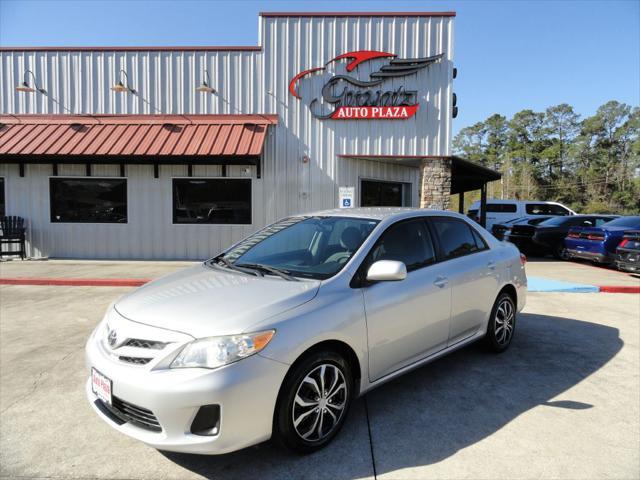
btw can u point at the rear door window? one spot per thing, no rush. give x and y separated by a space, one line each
408 242
546 209
502 207
602 221
456 238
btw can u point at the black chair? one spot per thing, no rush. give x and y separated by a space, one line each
12 232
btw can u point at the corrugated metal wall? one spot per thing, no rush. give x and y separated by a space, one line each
247 82
165 81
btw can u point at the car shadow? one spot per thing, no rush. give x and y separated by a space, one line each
433 412
471 394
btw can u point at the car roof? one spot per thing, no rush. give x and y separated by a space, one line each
377 213
496 200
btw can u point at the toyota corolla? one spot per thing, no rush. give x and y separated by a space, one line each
277 335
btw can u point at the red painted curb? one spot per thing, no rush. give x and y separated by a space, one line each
619 289
77 282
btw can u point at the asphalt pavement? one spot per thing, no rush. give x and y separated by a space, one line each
562 403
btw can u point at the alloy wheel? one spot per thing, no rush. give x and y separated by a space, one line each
504 322
319 402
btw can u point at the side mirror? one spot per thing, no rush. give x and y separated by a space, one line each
387 270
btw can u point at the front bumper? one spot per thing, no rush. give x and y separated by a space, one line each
246 392
628 261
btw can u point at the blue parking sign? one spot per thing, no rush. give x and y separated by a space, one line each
346 196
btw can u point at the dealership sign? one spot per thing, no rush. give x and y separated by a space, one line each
352 98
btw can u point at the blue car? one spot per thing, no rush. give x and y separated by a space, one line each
598 244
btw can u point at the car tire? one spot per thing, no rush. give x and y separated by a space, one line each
502 324
313 402
560 253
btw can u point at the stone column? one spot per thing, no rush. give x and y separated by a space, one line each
435 183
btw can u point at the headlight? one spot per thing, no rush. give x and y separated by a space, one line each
214 352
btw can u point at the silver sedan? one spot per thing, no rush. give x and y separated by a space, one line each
277 335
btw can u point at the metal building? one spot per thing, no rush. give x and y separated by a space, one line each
175 153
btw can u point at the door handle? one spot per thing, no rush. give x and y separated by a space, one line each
441 282
491 265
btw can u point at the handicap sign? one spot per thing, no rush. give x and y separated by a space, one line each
346 195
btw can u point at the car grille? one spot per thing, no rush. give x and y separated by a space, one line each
134 360
127 412
140 343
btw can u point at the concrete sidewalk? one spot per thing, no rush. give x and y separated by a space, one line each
580 272
89 268
561 403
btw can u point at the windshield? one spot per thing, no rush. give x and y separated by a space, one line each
312 247
625 222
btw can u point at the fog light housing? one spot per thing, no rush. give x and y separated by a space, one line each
207 421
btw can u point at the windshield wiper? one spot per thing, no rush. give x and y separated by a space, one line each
268 268
223 261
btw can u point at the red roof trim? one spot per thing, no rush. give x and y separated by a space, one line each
187 119
357 14
135 49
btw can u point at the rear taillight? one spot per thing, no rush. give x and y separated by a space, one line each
624 242
595 236
523 259
573 235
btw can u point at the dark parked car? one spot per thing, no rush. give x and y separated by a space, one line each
628 252
500 230
599 244
548 237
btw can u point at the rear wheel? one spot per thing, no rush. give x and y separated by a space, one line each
313 402
502 324
560 252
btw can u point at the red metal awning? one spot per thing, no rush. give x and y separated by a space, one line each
142 136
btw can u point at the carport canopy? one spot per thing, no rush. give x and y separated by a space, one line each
466 176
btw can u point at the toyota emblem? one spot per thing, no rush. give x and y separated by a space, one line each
112 338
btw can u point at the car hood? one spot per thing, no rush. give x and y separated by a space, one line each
206 301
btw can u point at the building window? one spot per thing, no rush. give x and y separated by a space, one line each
88 200
2 201
212 200
376 193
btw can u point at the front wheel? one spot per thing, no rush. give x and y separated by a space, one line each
502 324
313 402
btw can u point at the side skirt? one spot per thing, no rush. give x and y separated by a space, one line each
371 385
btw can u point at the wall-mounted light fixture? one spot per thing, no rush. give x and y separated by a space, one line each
25 87
121 87
205 86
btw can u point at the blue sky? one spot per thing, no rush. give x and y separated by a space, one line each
510 54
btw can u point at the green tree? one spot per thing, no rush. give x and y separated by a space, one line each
592 165
563 124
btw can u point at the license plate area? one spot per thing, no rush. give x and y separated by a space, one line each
101 386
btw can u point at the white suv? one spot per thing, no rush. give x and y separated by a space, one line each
499 211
